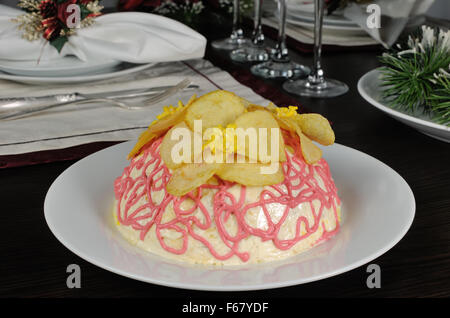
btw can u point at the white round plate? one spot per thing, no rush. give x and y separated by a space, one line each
378 209
326 26
65 66
119 70
369 86
332 19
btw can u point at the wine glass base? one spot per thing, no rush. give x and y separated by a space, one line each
329 88
250 54
272 69
230 43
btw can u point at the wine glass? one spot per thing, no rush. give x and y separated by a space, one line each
280 65
255 50
236 39
316 85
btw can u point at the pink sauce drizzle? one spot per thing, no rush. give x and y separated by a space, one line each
225 204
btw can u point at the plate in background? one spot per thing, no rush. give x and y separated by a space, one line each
327 19
116 71
61 67
352 28
369 86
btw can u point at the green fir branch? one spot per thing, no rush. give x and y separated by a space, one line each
440 99
417 79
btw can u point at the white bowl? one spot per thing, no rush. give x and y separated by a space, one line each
369 86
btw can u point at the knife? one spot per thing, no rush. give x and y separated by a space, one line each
8 105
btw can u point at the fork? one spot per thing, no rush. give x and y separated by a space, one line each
156 98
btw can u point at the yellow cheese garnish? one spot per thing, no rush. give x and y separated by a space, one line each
168 110
286 111
228 134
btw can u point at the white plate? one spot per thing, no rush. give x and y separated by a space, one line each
333 18
118 70
333 27
378 209
369 86
65 66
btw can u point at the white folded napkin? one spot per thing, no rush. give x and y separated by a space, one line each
395 17
306 35
125 36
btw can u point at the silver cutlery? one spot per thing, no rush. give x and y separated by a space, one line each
11 108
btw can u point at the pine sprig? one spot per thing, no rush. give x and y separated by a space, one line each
416 78
408 78
440 99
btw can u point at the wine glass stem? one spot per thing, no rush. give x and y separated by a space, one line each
316 76
258 36
237 30
281 53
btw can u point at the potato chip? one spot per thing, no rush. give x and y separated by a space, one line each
253 107
215 109
271 108
168 144
260 119
159 127
245 102
190 176
249 174
288 123
311 153
316 127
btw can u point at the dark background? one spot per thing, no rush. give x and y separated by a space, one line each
439 9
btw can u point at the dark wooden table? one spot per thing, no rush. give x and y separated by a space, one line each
33 263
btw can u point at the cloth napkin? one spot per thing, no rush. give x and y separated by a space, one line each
306 35
81 124
125 36
395 17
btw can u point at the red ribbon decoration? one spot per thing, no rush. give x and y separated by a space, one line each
93 15
48 11
50 26
54 15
